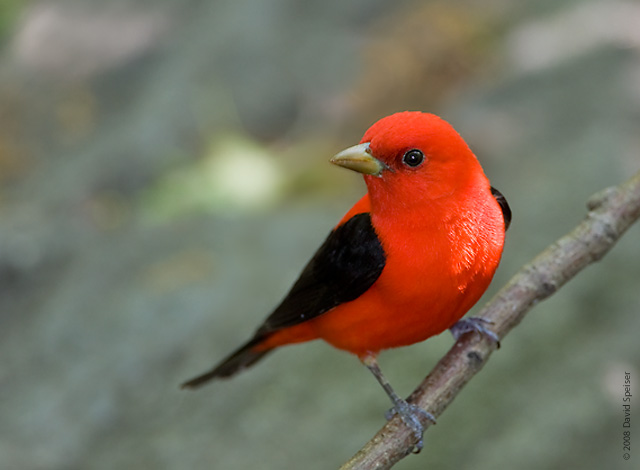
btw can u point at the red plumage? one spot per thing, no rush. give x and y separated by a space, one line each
405 263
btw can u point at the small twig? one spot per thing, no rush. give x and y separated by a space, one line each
611 212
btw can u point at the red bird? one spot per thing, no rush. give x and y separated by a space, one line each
404 264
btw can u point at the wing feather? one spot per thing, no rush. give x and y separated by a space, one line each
348 262
504 205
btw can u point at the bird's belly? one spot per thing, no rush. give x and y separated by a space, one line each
390 315
432 277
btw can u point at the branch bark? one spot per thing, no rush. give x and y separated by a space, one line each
611 212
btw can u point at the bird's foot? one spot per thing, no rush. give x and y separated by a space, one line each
476 324
413 416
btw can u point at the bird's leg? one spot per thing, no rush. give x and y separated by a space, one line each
477 324
412 415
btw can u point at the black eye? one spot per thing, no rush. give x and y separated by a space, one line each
413 158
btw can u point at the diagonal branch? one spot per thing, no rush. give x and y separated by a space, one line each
611 212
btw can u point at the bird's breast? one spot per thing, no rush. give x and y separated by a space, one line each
434 273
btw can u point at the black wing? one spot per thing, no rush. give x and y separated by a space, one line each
344 267
349 261
504 205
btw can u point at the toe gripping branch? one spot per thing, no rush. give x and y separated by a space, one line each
477 324
412 415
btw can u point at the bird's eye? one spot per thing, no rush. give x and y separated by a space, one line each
413 158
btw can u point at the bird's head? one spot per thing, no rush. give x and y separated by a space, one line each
412 157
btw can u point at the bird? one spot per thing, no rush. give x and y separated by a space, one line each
405 263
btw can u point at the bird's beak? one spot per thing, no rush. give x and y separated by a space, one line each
358 158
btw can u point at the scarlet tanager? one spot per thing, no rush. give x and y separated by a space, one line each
405 263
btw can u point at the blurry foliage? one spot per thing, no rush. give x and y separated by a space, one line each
164 180
14 156
432 49
234 174
9 12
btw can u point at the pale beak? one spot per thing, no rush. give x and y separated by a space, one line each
358 158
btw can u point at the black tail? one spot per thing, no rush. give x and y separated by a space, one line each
240 359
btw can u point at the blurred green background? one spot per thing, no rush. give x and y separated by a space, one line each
164 177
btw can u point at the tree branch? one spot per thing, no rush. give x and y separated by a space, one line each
611 212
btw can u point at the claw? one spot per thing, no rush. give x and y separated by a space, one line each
477 324
412 416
